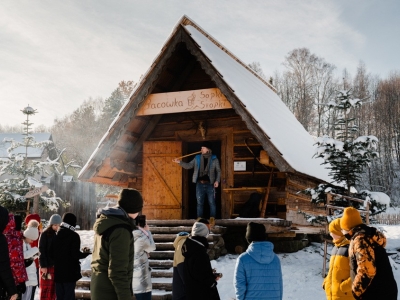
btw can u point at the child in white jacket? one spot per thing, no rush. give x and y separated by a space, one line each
144 244
30 253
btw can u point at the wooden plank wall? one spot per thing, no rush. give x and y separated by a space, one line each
255 175
82 199
296 202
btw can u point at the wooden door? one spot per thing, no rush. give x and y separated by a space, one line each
162 180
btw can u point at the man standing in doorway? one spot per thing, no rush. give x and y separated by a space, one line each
206 175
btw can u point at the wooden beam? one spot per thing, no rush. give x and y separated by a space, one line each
282 234
131 182
119 165
264 205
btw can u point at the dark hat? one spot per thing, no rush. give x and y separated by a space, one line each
206 144
255 232
69 218
130 200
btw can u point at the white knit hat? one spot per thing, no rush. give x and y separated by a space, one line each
200 229
31 233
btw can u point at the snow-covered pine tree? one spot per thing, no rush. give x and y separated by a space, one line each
346 155
21 172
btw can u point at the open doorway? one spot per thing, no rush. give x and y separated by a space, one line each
190 195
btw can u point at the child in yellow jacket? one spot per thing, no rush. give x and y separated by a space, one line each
337 284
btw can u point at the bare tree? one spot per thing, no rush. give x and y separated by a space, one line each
306 87
256 67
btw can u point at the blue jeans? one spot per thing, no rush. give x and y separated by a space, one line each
203 189
143 296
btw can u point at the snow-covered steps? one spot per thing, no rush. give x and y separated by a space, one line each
165 246
160 264
162 283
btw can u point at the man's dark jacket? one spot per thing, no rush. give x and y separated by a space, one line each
112 258
66 254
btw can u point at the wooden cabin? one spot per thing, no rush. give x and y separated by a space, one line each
197 90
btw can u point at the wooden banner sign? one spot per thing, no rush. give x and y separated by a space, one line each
36 191
184 101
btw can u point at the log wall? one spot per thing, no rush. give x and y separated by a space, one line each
300 202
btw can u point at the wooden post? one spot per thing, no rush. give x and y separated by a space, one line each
264 206
28 207
232 204
325 255
328 211
367 215
35 204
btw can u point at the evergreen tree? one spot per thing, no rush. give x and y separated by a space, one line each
345 155
20 172
118 97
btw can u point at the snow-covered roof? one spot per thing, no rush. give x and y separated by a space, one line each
273 116
19 137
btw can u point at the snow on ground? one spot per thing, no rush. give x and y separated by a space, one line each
302 270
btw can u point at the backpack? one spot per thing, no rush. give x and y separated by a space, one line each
251 208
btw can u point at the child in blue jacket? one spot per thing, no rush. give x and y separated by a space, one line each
258 273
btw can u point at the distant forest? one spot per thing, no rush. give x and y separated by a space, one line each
306 85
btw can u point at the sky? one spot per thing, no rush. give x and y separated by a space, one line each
56 54
301 271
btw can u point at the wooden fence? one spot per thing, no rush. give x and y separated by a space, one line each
81 197
387 219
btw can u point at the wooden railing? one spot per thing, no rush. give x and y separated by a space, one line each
329 207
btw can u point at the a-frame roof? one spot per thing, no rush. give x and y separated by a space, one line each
279 132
